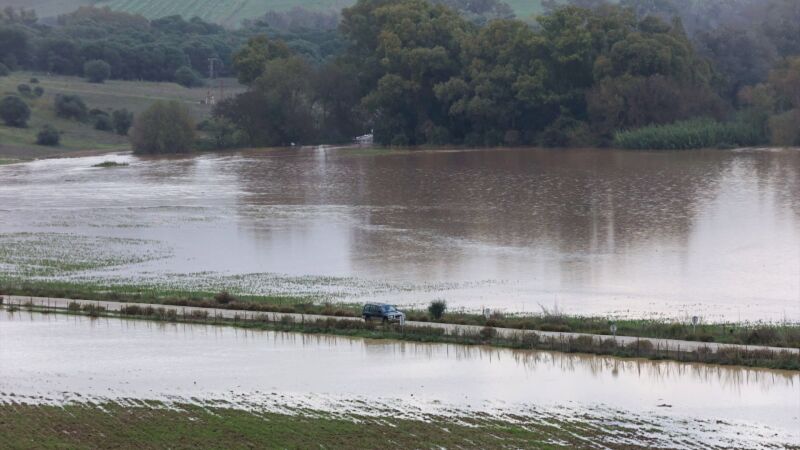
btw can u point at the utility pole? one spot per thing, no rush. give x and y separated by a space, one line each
213 70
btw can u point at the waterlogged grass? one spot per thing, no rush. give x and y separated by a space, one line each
56 254
254 315
152 425
701 133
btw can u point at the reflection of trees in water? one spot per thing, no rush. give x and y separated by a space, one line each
732 378
423 211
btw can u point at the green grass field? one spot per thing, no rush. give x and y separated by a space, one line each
224 12
132 95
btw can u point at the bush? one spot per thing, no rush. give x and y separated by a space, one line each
38 91
25 90
33 80
224 297
437 309
14 111
187 77
96 71
102 121
165 127
122 119
4 71
697 133
71 107
48 136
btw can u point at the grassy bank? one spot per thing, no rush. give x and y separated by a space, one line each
426 333
692 134
770 334
134 96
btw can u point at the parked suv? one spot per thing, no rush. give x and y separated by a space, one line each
383 312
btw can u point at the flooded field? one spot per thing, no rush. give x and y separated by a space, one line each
124 360
709 233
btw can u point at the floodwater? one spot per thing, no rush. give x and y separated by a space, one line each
56 358
710 233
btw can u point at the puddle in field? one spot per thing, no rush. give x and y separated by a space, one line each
709 233
54 358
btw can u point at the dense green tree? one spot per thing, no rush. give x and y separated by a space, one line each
49 136
404 49
278 110
187 77
96 71
122 120
14 111
251 59
165 127
71 107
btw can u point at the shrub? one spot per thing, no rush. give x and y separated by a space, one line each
488 333
697 133
48 135
122 119
165 127
71 107
33 80
14 111
187 77
96 71
38 91
25 90
4 71
103 122
224 297
437 309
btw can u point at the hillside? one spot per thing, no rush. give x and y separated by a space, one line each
224 12
76 136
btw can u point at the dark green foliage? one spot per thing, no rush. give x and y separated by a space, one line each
221 134
187 77
165 127
96 71
250 60
4 70
702 133
103 122
71 107
48 136
33 80
14 111
38 91
24 90
122 120
437 309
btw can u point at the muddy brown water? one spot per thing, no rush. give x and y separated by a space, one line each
711 233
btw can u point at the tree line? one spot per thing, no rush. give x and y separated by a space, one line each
458 72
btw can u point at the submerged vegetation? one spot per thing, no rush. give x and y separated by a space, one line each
419 332
768 334
152 425
106 164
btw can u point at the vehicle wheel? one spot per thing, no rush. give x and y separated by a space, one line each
366 318
385 320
